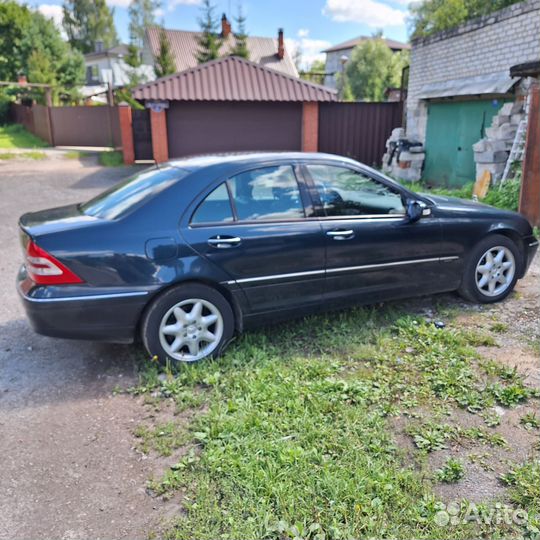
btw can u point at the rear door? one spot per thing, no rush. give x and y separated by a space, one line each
372 250
255 225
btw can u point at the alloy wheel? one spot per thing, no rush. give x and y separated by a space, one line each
495 271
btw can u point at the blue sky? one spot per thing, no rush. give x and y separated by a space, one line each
311 25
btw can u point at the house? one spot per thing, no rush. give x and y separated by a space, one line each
105 66
336 55
226 105
463 103
266 51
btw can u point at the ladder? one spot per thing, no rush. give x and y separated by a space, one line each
518 146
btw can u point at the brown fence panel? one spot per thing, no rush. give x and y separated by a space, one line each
42 126
21 114
357 130
85 126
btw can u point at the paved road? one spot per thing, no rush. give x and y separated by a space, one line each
67 466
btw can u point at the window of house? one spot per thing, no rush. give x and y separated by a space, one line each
345 192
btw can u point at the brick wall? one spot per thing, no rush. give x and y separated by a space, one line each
485 45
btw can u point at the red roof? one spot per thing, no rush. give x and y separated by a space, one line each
233 79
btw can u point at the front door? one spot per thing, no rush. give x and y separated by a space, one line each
372 250
255 227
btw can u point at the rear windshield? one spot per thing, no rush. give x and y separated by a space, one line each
123 197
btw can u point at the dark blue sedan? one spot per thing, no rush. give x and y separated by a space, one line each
188 253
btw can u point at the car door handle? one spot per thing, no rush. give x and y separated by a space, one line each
224 242
341 234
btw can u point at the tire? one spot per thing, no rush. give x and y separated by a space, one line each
187 323
478 275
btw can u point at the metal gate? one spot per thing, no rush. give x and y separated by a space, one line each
358 130
142 134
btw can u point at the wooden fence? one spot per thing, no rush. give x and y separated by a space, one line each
70 126
358 130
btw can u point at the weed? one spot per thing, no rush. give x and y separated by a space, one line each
111 159
499 327
530 421
451 471
524 482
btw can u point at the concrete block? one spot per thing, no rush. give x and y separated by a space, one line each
397 133
490 157
409 156
480 146
515 119
499 120
496 169
507 109
492 132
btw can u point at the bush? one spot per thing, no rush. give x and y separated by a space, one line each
506 196
5 103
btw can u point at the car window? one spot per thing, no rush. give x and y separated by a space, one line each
345 192
215 208
123 197
269 193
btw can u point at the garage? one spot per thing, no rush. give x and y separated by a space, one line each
229 105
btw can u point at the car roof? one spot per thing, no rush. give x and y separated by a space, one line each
193 163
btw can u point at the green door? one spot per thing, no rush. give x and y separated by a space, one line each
452 129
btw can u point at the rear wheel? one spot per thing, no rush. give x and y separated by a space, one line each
188 323
491 270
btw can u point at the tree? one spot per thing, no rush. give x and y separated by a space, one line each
209 41
165 64
141 16
372 68
240 47
315 73
431 16
32 45
88 21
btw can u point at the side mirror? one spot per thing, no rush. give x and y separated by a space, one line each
415 210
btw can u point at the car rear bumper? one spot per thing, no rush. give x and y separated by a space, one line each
76 312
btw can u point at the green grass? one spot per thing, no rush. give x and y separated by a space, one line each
296 440
77 154
452 471
111 159
22 155
15 136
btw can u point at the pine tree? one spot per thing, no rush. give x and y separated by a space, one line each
87 22
240 48
141 16
164 61
209 41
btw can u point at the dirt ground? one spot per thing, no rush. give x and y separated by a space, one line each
70 468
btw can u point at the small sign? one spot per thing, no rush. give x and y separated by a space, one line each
157 106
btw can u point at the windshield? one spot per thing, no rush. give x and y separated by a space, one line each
123 197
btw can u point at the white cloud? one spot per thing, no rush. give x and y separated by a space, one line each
310 49
172 4
159 13
303 32
52 11
119 3
370 12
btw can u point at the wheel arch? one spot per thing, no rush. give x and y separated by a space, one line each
226 293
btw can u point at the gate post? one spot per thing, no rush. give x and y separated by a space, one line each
160 143
310 126
126 133
529 197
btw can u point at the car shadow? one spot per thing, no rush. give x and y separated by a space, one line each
37 371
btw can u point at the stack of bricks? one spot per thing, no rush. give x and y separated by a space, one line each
491 152
405 163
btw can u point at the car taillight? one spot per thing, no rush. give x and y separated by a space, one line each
44 269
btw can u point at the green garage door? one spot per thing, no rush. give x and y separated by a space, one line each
452 129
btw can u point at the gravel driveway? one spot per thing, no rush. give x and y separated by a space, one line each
68 469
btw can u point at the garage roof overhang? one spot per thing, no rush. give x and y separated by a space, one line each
232 79
493 84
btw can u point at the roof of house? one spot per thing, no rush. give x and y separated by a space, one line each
351 43
184 47
118 50
233 79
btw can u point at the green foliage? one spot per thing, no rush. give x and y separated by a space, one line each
432 16
373 68
524 482
315 73
506 196
141 16
209 41
31 44
5 104
88 21
530 421
111 159
15 136
240 47
451 472
22 155
165 64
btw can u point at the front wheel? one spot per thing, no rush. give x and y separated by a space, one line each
491 270
187 323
